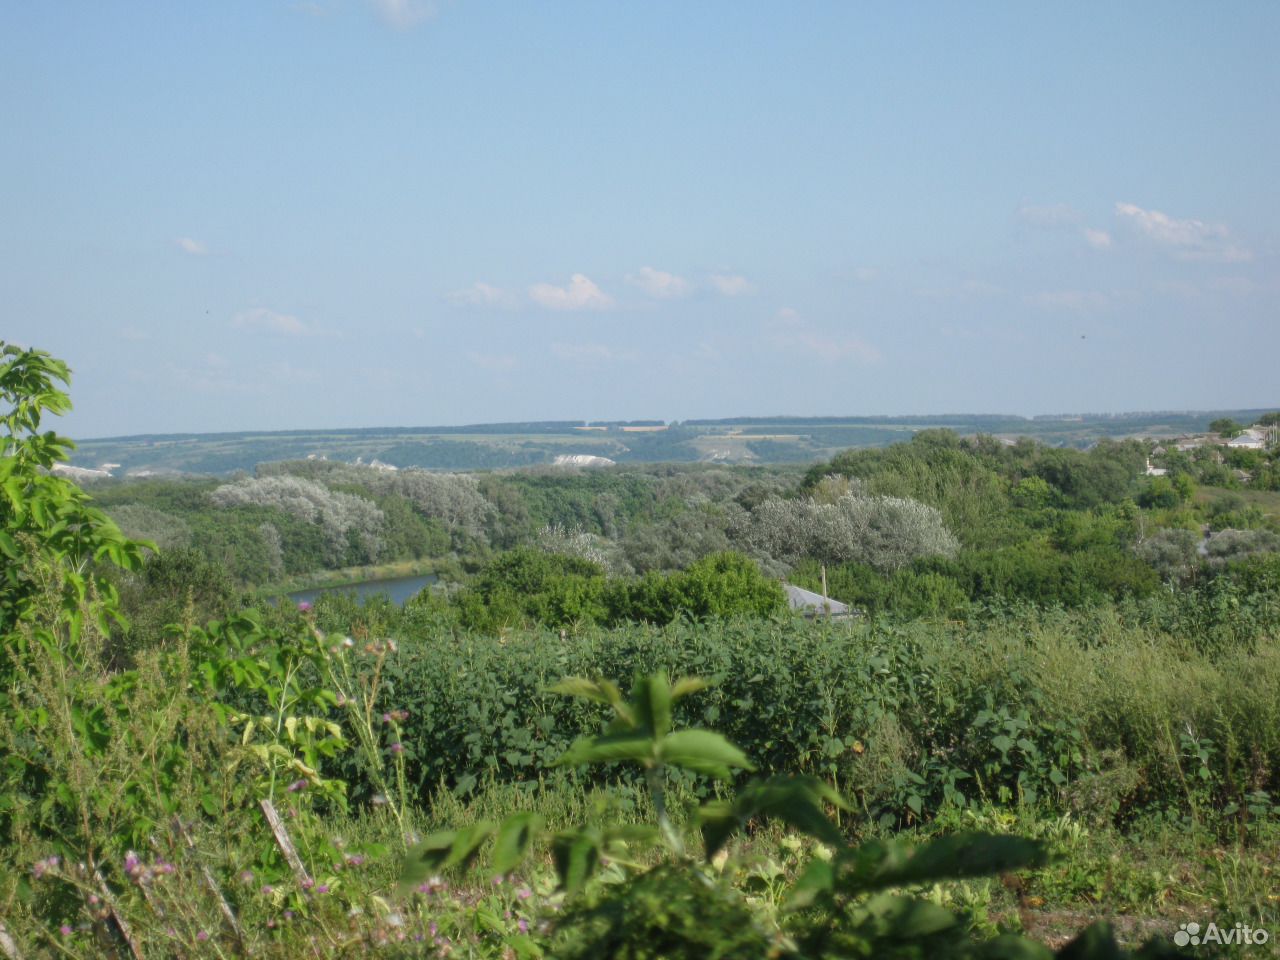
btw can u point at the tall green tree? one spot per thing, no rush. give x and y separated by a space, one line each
49 532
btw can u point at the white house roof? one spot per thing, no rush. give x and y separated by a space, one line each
1249 438
809 602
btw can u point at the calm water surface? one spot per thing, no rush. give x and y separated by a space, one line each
399 589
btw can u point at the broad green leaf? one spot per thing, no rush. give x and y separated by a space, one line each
576 854
651 701
600 691
687 685
881 864
813 885
609 749
907 918
516 835
702 751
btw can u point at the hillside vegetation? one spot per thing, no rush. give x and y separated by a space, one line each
1052 729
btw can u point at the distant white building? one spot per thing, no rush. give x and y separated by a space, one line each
581 460
1251 439
814 604
1155 471
79 473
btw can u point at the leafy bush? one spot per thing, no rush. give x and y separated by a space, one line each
886 533
527 586
351 524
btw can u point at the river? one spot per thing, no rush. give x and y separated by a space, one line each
399 589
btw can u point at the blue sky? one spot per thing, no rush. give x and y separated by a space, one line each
268 215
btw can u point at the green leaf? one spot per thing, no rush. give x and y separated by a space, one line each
608 749
702 751
813 885
906 918
599 691
642 834
576 854
687 685
651 700
516 835
881 864
441 851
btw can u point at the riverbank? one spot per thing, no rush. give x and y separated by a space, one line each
351 577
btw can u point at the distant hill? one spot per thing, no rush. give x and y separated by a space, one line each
486 446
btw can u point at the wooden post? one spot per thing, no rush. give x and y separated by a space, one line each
122 926
8 945
285 844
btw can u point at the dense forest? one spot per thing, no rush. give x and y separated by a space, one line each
604 733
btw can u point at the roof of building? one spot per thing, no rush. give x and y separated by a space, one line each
814 604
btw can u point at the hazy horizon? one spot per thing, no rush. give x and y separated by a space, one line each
259 216
762 418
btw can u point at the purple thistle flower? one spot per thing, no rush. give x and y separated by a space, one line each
304 606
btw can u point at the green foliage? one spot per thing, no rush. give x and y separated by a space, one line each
1225 427
46 522
195 796
933 469
527 586
851 901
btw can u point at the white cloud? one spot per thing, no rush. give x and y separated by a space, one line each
731 284
1098 239
659 284
1061 217
193 247
260 318
788 315
403 14
865 274
481 294
1185 239
585 353
580 294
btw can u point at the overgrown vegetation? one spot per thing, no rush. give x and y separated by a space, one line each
1061 704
